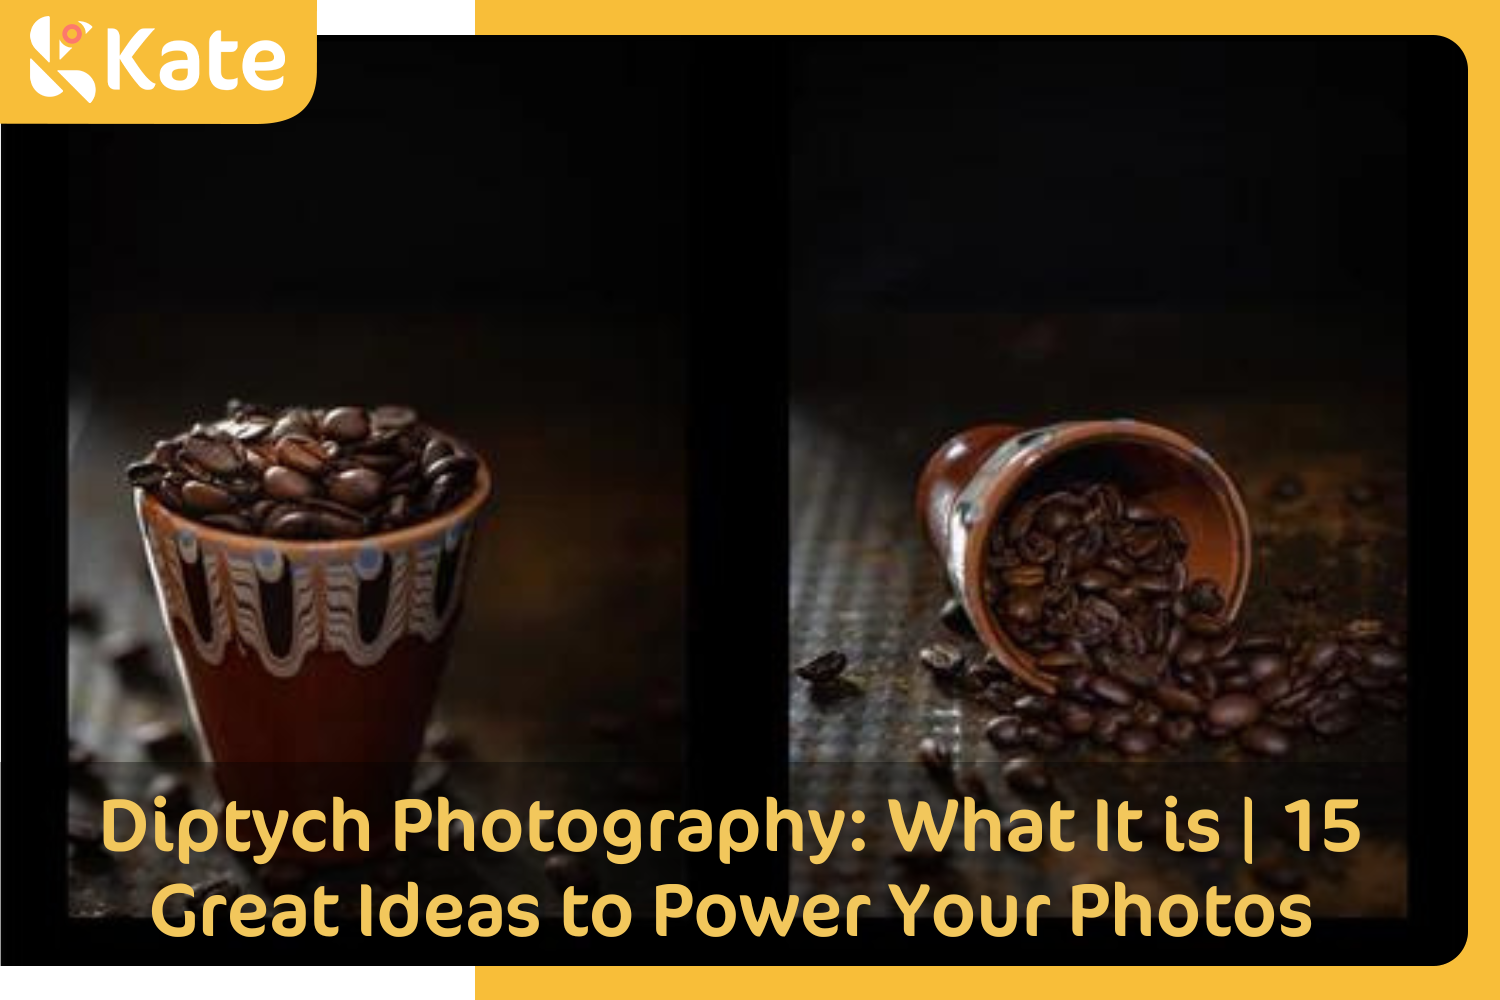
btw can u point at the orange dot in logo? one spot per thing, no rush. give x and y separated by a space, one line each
72 35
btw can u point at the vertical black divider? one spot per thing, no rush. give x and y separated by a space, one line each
736 447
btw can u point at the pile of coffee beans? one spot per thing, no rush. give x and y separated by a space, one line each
308 473
1096 589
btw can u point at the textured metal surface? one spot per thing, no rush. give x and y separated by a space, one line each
871 400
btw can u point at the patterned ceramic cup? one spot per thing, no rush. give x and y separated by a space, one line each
310 666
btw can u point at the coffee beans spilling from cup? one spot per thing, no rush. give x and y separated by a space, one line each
1095 588
308 473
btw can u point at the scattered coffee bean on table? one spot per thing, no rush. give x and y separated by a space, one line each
308 473
823 668
1094 586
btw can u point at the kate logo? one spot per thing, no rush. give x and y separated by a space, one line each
41 40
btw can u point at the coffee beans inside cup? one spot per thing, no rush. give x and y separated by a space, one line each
1094 586
299 472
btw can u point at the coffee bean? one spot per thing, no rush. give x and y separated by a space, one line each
1273 689
1177 729
145 475
1177 699
1333 720
1135 741
1263 666
1027 777
461 467
1205 625
1362 494
329 524
1025 576
1192 653
205 498
356 487
934 756
346 423
397 418
283 483
1203 596
1004 731
1266 740
1364 629
1112 691
173 790
1057 660
1034 705
1385 659
302 453
824 667
1075 718
942 661
84 615
292 522
1234 711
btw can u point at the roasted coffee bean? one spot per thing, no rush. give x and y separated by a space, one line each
1025 576
173 791
1333 720
1076 718
1177 730
303 454
145 475
397 418
1058 660
1004 731
1109 722
1177 699
1037 548
935 756
1385 659
955 619
942 661
1273 689
205 498
1205 625
283 483
1266 740
1204 597
824 667
1075 681
1234 711
1034 705
346 423
461 467
225 472
1321 655
1236 681
356 487
1263 666
1362 494
1027 777
1135 741
1364 629
1055 518
1110 690
1192 653
1024 606
1148 714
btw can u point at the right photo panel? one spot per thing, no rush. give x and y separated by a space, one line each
1098 464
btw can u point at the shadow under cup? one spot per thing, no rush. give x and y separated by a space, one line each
310 667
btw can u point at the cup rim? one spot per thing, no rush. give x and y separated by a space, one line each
400 536
1062 438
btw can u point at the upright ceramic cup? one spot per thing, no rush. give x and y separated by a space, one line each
310 667
977 475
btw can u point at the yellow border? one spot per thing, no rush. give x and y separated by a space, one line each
1475 972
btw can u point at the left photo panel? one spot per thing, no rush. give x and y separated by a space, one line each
374 442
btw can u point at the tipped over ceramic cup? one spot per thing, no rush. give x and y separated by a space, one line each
976 477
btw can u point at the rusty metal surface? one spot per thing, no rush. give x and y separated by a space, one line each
1270 397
